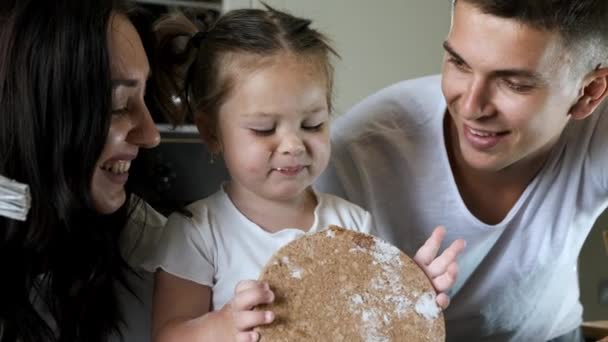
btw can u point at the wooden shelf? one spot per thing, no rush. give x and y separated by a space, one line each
595 329
213 5
217 5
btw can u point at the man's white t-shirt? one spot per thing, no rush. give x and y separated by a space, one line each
518 279
217 246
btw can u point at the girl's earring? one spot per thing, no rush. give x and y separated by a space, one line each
212 159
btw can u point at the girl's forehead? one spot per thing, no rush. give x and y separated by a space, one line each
243 64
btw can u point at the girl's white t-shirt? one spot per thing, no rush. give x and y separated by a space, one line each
217 246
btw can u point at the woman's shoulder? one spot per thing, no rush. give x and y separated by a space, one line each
142 232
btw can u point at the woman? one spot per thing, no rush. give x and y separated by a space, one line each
72 119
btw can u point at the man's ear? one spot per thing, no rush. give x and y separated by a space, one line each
208 132
593 92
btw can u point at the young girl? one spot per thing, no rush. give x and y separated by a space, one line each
260 86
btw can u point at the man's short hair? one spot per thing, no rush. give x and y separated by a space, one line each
582 24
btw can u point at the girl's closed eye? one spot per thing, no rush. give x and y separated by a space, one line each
313 127
262 131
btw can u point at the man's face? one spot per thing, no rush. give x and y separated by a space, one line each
508 87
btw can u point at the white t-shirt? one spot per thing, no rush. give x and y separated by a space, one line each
518 279
218 246
137 243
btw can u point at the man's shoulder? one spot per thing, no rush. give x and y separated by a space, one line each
404 106
339 204
404 95
425 85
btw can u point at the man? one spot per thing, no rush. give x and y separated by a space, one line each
508 149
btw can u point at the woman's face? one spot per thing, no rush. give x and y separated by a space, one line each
131 125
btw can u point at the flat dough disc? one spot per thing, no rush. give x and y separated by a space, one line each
340 285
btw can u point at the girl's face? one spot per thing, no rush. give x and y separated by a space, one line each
131 126
273 130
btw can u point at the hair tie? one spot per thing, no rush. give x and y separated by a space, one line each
197 39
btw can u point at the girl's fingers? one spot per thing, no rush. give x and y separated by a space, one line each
443 301
244 285
247 336
250 295
446 280
439 266
426 254
247 320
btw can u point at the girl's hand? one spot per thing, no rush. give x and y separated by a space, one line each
247 295
442 270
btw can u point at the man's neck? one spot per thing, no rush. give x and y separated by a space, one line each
489 195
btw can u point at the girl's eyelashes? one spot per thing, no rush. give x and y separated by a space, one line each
313 128
262 132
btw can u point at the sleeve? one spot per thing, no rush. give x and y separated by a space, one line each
329 182
598 147
368 225
184 251
142 232
341 177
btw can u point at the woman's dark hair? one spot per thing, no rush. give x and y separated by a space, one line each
61 268
194 57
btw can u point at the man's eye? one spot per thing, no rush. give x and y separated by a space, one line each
518 87
458 63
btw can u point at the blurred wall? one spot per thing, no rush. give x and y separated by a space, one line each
381 42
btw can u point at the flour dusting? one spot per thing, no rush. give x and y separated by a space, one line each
387 280
370 321
386 253
356 299
357 249
427 306
294 270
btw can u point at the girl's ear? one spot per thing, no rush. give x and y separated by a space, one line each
595 89
208 132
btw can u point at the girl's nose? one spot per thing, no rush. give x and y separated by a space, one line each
291 144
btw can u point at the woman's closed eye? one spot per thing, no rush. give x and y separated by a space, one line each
120 111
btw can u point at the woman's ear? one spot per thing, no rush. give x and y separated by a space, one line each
208 132
595 89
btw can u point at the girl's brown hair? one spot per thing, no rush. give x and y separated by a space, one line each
193 63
